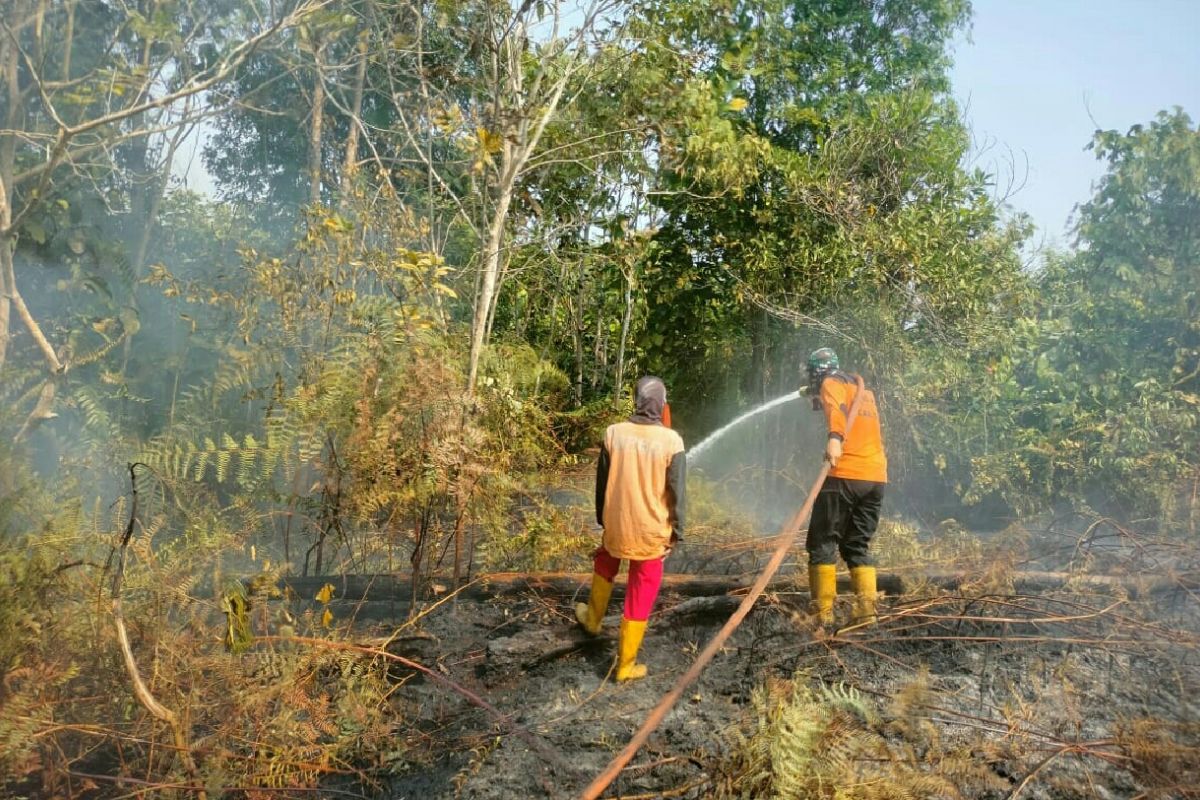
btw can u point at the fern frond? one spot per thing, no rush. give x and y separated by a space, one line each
842 695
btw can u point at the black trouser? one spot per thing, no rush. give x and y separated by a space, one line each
844 518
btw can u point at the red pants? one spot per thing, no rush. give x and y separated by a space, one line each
645 577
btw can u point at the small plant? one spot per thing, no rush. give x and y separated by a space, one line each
828 742
547 537
583 428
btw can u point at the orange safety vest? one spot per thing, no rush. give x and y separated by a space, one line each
863 457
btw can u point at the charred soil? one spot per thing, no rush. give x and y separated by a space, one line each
979 692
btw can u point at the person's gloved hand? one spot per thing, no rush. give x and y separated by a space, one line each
833 450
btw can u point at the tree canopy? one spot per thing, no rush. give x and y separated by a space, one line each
444 239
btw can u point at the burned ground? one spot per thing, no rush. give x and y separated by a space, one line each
984 691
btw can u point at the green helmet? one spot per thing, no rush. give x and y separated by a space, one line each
822 361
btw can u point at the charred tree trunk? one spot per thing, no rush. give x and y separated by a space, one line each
568 584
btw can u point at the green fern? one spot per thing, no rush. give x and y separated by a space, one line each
100 430
828 743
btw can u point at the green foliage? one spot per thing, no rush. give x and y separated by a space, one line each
714 514
582 429
899 545
41 625
277 716
547 537
1088 391
520 372
810 201
830 741
732 184
235 605
371 433
26 583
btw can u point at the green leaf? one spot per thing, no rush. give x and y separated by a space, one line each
36 231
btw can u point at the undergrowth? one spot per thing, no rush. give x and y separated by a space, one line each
809 740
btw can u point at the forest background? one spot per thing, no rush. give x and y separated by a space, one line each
447 236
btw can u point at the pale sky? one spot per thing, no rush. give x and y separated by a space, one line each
1034 74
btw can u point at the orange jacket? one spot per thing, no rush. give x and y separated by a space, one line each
863 457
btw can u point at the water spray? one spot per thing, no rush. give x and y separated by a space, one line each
699 449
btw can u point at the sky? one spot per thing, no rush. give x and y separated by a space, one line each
1037 77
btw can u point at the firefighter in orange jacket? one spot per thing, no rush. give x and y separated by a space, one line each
846 512
640 501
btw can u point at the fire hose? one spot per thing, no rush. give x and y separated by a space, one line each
784 543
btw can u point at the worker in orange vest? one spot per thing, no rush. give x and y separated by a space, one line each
846 512
640 502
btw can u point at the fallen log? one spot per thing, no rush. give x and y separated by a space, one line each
528 649
355 588
558 584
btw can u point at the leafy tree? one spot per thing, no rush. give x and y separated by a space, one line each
1108 370
84 87
820 168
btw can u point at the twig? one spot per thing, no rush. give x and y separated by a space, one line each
140 690
1033 773
676 792
323 790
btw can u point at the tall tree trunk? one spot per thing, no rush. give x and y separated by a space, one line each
141 175
157 192
577 331
491 319
316 125
147 191
516 150
626 320
759 337
491 269
8 152
6 271
545 352
68 42
350 163
599 351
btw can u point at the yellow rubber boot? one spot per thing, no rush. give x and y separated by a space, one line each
865 594
822 586
632 632
591 613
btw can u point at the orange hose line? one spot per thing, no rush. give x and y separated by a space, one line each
784 544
